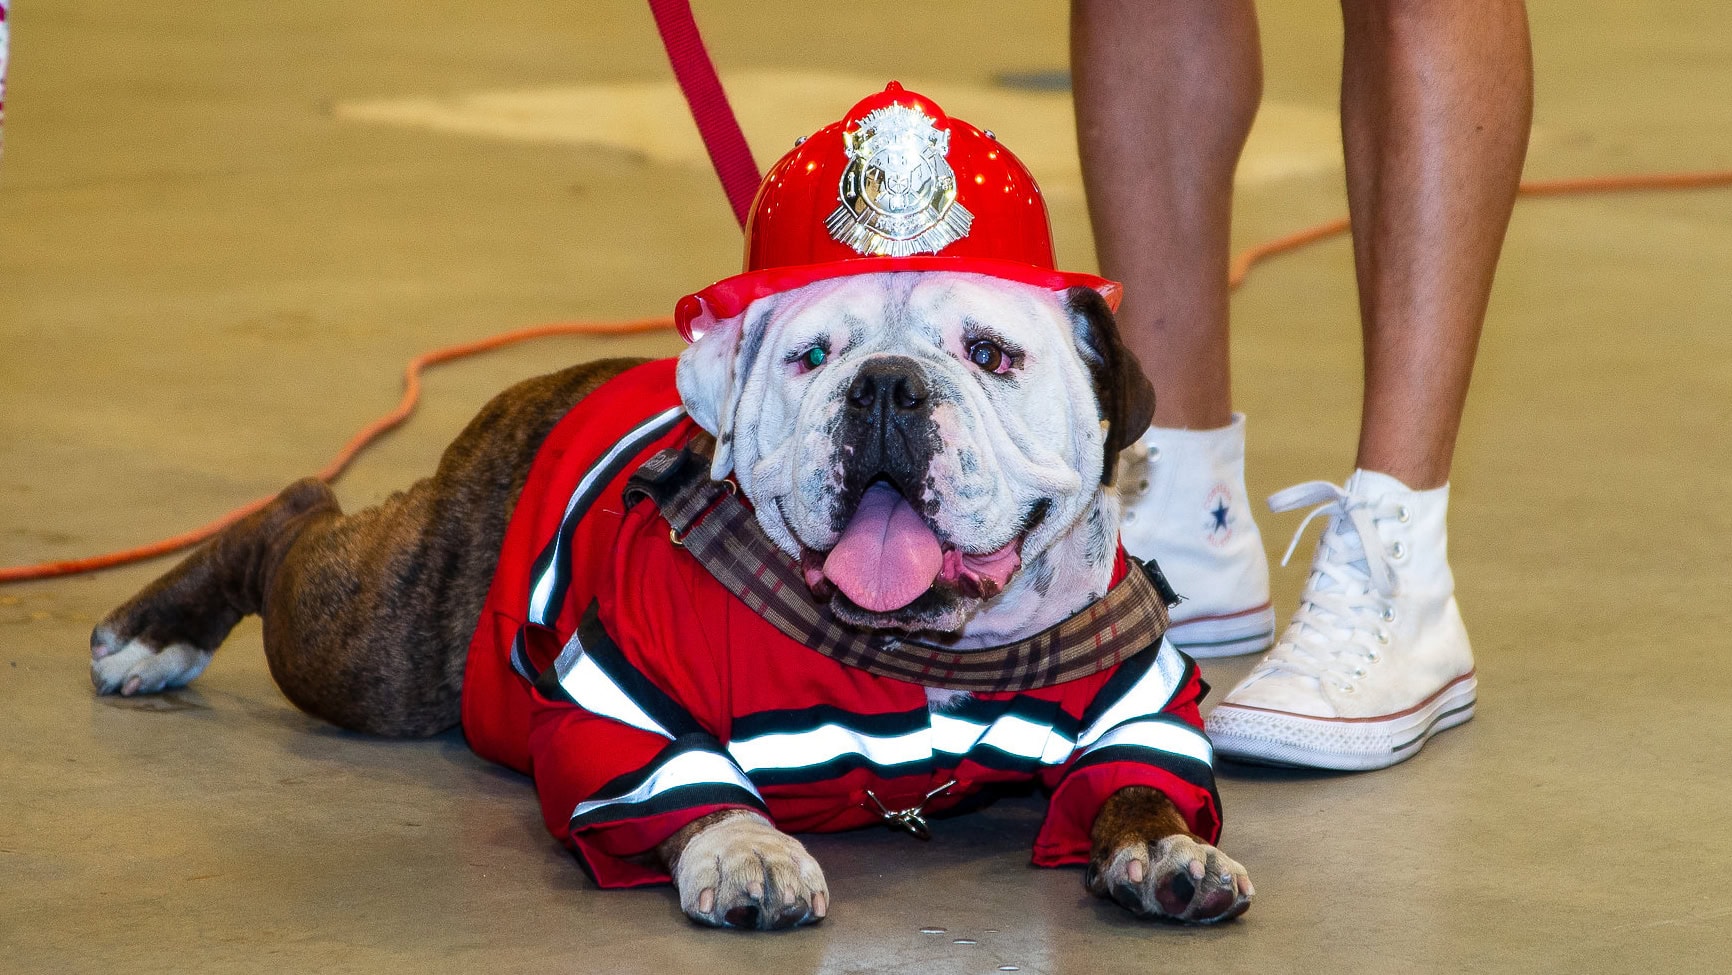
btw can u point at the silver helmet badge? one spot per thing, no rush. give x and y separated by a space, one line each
898 193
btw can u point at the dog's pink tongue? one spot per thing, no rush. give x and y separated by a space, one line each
887 556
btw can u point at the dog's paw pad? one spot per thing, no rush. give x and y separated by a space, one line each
744 873
137 667
1176 877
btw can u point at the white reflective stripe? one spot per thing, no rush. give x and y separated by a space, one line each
1011 734
1059 749
542 591
686 768
1163 736
1017 736
1149 695
826 743
596 692
954 735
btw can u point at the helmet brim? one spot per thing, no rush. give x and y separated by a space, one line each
729 297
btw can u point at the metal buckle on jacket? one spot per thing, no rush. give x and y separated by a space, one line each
910 819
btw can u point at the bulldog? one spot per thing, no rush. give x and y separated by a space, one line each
851 559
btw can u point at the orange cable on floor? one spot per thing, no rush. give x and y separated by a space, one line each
1240 269
359 442
1707 179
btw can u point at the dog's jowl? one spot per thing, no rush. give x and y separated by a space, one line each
851 560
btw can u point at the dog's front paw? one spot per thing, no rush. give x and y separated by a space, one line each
741 872
1176 877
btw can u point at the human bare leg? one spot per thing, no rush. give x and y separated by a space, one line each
1165 94
1436 101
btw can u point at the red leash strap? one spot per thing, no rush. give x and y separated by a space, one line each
726 144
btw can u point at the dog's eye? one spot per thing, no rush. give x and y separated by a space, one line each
813 357
988 356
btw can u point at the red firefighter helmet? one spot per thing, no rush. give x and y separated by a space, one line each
896 185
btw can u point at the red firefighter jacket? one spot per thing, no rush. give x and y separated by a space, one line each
641 695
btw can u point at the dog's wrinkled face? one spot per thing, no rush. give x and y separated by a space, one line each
916 438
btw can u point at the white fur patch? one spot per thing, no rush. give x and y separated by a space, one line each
139 668
943 698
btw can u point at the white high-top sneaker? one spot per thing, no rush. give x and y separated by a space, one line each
1376 659
1185 507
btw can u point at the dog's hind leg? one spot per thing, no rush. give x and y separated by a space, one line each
164 637
367 617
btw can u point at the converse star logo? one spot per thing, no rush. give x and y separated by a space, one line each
1219 508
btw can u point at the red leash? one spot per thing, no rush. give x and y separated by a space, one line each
696 74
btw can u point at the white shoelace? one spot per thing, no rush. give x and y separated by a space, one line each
1346 608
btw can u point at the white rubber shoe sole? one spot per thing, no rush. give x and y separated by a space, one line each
1252 631
1265 737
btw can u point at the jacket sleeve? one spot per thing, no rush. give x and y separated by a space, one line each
1143 728
619 763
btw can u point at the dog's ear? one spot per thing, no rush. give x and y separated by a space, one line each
712 373
1127 401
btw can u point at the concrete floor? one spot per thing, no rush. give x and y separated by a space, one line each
212 266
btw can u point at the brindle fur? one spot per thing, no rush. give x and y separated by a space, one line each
367 617
1134 814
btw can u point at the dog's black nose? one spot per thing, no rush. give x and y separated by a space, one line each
887 429
889 384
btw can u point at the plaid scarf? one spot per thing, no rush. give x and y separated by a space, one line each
709 520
